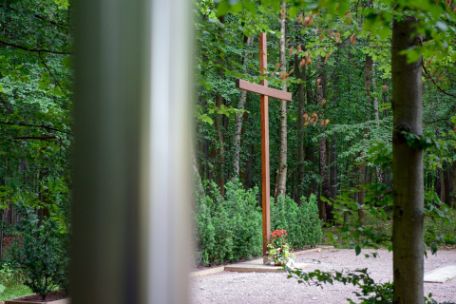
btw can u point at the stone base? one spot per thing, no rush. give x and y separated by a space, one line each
258 266
440 275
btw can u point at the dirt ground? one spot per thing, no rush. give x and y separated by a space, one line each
265 288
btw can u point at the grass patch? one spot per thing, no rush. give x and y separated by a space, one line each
15 291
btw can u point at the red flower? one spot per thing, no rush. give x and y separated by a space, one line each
279 233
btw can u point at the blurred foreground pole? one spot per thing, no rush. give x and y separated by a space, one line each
130 218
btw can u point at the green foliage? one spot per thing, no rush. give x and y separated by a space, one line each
440 227
14 292
10 275
41 254
229 228
368 291
35 107
301 221
375 230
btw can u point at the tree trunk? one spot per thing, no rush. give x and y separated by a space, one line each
221 145
281 179
408 245
301 100
323 149
370 86
324 178
361 193
452 185
240 118
196 174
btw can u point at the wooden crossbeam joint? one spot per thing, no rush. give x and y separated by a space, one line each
263 90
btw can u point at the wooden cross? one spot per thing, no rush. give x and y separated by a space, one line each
265 92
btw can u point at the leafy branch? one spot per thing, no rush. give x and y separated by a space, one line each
32 49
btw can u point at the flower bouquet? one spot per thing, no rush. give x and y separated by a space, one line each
278 249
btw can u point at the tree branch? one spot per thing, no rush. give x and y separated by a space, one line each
56 81
34 50
45 138
429 76
42 126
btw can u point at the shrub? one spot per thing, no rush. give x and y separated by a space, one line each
205 229
301 222
229 228
41 254
9 275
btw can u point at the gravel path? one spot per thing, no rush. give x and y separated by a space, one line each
259 288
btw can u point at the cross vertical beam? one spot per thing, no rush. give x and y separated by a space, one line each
265 174
265 92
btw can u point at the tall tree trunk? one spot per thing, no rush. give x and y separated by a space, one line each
370 85
221 145
301 100
452 185
281 179
325 191
240 117
333 166
361 192
408 245
196 174
323 151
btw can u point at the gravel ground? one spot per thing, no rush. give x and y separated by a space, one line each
259 288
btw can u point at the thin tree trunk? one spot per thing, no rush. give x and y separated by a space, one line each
324 177
370 85
221 145
301 100
452 185
408 245
361 193
324 174
240 118
282 170
196 175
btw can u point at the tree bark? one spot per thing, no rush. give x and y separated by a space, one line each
452 185
301 100
240 118
323 151
370 86
281 179
324 178
221 145
408 245
361 193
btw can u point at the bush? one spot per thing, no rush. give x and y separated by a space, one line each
301 222
9 275
41 254
441 231
229 228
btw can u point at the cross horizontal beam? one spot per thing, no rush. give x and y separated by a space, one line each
263 90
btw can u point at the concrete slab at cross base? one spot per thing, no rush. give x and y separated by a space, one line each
441 275
258 266
205 272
